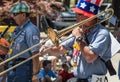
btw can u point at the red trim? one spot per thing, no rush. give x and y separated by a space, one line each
97 2
85 13
88 0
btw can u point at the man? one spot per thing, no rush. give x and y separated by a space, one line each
24 36
46 73
94 41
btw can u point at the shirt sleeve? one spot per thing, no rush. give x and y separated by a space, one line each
32 38
41 74
68 44
100 45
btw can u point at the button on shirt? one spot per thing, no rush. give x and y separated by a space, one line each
99 43
29 36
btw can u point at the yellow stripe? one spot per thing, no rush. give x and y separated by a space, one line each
11 29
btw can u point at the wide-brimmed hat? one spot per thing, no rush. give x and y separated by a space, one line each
20 7
88 8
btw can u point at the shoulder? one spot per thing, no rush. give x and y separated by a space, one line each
51 71
61 72
31 27
102 30
99 31
42 71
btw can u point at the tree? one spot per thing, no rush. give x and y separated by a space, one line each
67 3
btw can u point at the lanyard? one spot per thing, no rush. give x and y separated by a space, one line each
15 37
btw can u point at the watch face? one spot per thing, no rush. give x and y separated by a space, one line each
79 38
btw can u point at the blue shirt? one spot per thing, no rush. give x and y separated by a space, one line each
43 73
29 36
100 44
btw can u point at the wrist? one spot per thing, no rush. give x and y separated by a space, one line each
79 38
35 73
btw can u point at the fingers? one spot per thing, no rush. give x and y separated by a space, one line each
77 32
44 50
41 49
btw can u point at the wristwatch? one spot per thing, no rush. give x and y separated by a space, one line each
35 73
79 38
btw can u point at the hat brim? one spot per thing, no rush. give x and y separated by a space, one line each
80 11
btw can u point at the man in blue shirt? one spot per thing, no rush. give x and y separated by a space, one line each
94 42
46 73
24 36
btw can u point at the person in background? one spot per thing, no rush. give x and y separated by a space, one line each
64 73
53 59
91 38
25 35
46 74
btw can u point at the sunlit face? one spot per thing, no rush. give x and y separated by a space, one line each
87 25
81 17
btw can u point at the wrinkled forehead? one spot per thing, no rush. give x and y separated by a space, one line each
81 17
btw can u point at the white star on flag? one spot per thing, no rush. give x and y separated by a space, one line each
92 9
83 5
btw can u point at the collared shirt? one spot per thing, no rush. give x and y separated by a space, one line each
29 36
65 75
100 44
43 73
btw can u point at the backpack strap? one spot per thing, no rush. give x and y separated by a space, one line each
108 63
110 67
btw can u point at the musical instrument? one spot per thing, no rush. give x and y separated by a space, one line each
55 36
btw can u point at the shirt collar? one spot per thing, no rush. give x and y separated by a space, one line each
25 23
92 30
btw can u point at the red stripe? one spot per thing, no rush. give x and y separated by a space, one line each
97 2
88 0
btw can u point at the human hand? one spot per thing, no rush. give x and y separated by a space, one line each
35 78
77 32
44 50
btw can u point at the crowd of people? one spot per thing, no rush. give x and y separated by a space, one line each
86 45
51 8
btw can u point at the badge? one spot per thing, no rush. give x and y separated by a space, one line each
98 78
10 51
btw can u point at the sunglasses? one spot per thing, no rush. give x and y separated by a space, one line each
15 14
